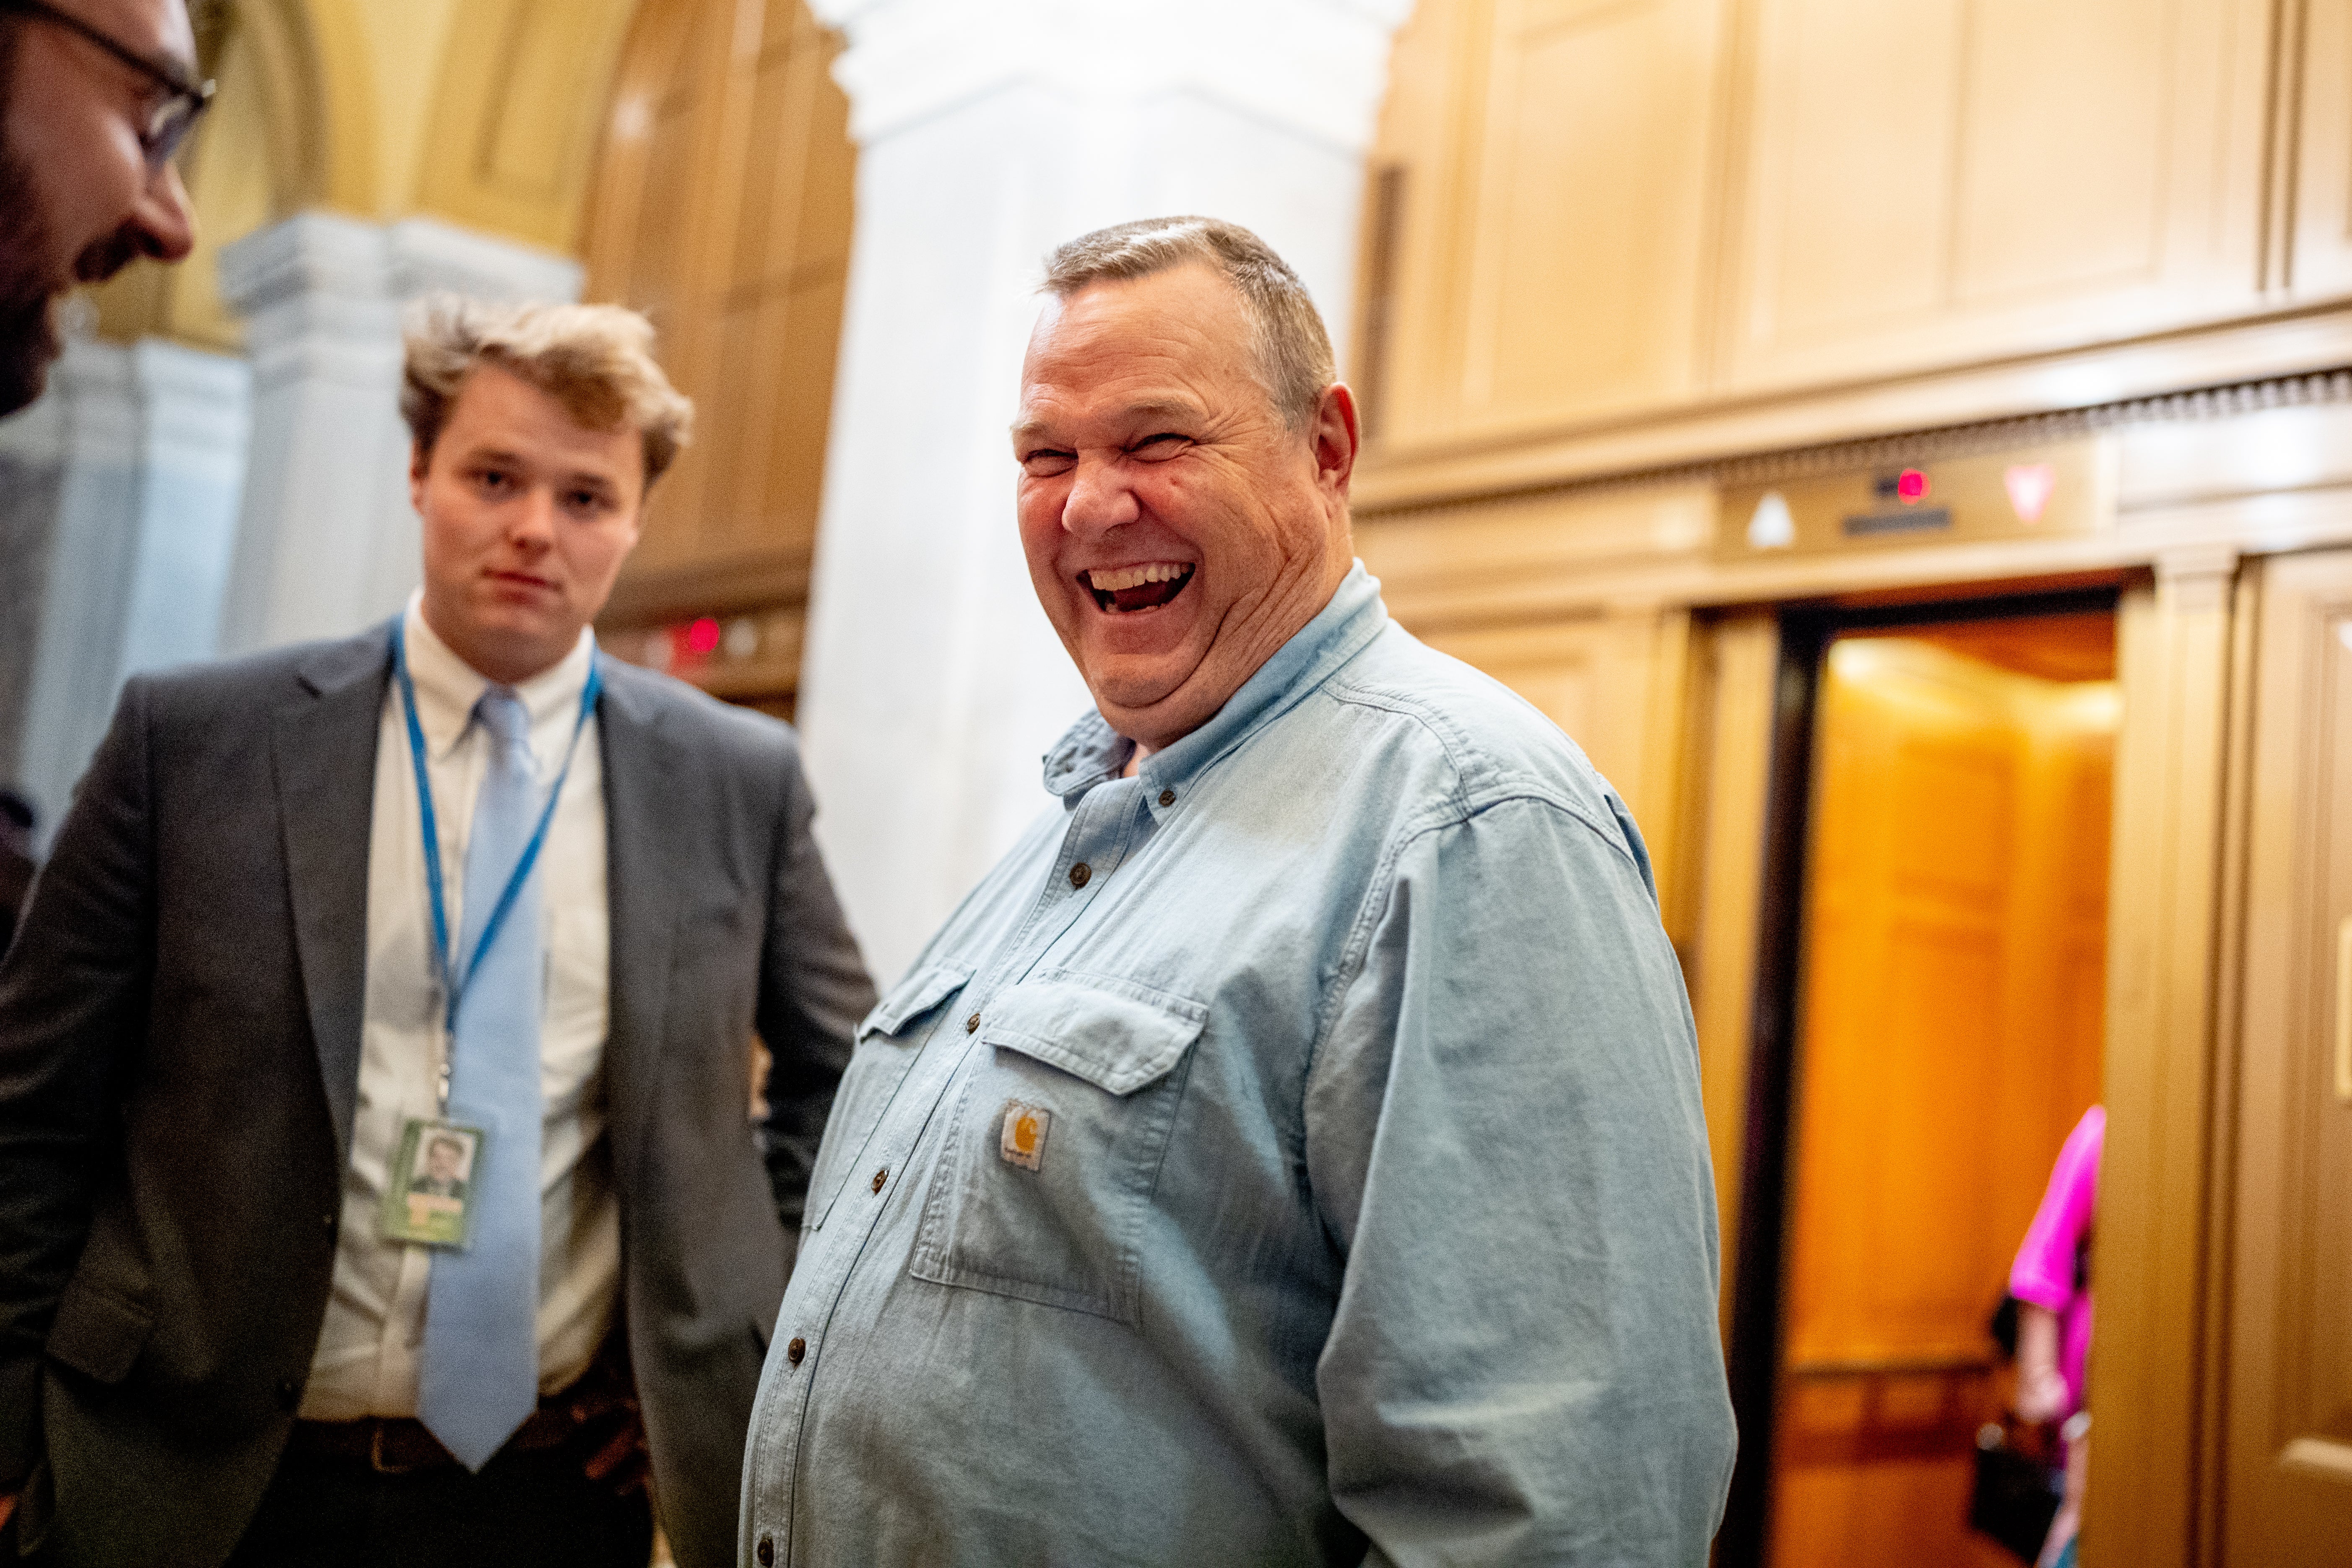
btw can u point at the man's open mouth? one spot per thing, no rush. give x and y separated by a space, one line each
1122 590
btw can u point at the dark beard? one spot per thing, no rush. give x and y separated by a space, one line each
28 340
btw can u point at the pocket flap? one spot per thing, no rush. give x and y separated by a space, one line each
1114 1033
914 996
96 1332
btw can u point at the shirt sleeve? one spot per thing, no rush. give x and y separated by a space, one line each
1505 1138
2044 1272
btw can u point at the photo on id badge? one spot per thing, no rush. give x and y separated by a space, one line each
429 1199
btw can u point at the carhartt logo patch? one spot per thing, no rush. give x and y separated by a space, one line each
1023 1140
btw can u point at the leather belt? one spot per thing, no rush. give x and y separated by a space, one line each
396 1445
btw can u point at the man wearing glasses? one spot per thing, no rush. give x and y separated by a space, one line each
95 97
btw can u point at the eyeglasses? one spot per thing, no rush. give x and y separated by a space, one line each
183 101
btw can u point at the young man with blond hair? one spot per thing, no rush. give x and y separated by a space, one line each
457 881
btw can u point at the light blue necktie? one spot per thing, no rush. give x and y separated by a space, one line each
480 1379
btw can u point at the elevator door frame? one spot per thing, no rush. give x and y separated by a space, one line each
1759 1283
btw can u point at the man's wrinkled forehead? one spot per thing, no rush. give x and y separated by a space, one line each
1175 342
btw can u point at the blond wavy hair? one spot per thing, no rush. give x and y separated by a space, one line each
597 360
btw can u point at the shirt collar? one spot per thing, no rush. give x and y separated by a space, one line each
447 687
1093 751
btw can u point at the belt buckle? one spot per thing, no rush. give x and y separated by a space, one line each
377 1462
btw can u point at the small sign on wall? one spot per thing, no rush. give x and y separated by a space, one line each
2032 493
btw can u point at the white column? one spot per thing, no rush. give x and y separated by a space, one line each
124 482
327 541
989 131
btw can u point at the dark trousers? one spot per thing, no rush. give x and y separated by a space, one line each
527 1508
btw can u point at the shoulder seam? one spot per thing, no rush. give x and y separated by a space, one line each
1382 888
1509 784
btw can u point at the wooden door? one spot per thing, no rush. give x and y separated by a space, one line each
1952 1003
2288 1485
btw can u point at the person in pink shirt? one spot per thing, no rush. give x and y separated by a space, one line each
2051 1281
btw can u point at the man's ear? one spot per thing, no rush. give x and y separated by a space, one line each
420 462
1337 435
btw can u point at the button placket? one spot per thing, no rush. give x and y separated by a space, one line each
1096 840
782 1410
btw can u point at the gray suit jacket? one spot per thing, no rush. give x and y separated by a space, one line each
179 1055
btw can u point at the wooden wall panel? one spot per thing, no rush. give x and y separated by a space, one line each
2316 121
2289 1488
2070 118
2146 1498
1584 282
1727 779
1558 159
723 211
513 139
1942 181
1616 216
1407 349
1848 233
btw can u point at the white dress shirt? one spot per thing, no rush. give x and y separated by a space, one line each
366 1363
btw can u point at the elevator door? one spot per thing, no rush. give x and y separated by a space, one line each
1952 1007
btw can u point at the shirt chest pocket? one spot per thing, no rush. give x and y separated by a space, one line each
1045 1183
887 1042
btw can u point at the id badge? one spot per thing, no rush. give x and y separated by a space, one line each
429 1199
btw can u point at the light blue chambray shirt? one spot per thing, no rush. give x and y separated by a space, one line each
1291 1154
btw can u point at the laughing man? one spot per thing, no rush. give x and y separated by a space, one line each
1292 1151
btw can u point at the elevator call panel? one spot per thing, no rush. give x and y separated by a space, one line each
2039 492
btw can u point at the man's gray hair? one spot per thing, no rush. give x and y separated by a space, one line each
1294 351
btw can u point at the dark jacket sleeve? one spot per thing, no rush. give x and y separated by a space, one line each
73 998
813 989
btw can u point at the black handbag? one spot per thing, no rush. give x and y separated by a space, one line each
2017 1490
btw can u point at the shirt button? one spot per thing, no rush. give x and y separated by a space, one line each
972 1024
289 1393
1079 873
881 1176
1168 797
767 1551
794 1350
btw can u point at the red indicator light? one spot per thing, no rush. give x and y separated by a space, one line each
1912 486
702 637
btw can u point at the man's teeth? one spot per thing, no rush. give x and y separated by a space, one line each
1111 580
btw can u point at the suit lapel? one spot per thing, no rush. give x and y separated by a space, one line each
642 884
323 747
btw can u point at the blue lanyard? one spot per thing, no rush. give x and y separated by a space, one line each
453 982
